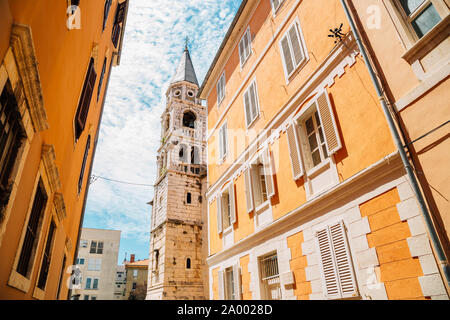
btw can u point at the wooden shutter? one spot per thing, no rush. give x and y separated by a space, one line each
232 202
268 172
237 282
85 99
83 166
287 56
221 285
329 126
219 214
116 34
343 260
296 44
253 101
120 13
294 151
248 190
337 268
329 279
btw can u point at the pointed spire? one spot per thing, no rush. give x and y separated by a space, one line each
185 70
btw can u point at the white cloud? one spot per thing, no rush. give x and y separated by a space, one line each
130 129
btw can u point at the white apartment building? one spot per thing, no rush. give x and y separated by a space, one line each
97 263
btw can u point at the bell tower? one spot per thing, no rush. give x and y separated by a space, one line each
176 265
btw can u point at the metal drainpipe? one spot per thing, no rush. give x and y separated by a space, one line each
426 214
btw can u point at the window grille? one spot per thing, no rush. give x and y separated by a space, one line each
270 277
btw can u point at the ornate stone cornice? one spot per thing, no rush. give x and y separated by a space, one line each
27 64
60 207
49 157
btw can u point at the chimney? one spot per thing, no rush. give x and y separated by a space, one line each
131 258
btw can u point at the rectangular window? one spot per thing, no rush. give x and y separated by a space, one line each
100 82
259 182
229 284
86 297
61 277
100 247
85 99
226 211
32 230
223 142
292 49
135 273
95 284
93 247
221 89
336 262
245 47
270 278
47 257
93 297
94 264
251 104
80 261
314 135
83 165
88 283
421 15
11 136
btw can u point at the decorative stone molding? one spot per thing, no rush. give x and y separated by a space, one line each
25 56
68 245
48 157
60 207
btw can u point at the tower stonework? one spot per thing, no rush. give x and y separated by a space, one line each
176 266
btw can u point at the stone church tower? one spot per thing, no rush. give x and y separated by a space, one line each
177 253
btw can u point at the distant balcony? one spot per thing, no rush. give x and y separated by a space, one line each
190 168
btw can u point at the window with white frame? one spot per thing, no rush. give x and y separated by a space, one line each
221 89
95 284
94 264
259 182
313 137
276 4
226 211
223 142
336 264
84 243
229 283
135 273
421 15
251 104
96 247
292 49
270 277
245 47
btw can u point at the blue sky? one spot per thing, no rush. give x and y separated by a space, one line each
130 129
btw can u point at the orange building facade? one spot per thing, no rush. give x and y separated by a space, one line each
307 195
56 58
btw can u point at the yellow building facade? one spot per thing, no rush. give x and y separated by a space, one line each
56 58
307 195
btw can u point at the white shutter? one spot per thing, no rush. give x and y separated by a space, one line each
287 56
248 190
254 102
296 46
248 116
232 202
225 139
337 267
294 151
343 260
237 282
268 172
221 285
328 122
330 280
219 214
275 4
248 43
241 51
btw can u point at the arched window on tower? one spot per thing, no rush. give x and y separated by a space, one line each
195 156
182 154
189 120
188 263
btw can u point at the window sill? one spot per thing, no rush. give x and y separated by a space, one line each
38 294
262 207
18 281
428 42
324 165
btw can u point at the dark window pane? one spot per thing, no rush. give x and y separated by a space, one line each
46 258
